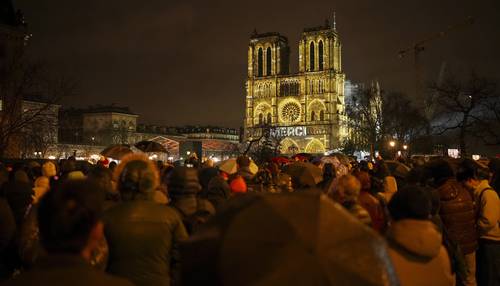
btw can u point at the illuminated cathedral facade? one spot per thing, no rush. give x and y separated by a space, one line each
305 110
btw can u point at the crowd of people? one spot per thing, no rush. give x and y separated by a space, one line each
65 223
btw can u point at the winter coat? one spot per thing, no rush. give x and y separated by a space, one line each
488 205
417 254
375 209
143 237
62 270
218 192
457 214
390 188
193 210
19 195
7 232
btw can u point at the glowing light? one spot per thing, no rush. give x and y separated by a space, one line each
405 147
392 143
52 157
476 157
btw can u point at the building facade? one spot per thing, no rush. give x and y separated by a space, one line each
87 131
306 110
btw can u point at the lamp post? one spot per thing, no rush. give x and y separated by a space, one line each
392 144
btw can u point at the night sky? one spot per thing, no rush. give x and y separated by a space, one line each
184 62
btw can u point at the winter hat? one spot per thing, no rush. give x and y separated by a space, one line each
136 174
49 169
183 181
440 170
412 202
238 185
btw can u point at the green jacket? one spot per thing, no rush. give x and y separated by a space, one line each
143 239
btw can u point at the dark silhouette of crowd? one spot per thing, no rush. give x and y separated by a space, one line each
134 223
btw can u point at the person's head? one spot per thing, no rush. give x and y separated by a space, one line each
137 177
440 171
411 202
243 161
49 169
467 174
183 181
382 170
365 180
68 166
103 177
21 176
348 188
69 219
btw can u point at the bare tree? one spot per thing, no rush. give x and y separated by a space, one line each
20 80
365 119
487 126
460 104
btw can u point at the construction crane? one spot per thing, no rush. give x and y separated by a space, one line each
419 47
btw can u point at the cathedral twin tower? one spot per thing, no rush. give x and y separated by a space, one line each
305 109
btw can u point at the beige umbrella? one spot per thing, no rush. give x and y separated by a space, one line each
231 167
116 151
286 239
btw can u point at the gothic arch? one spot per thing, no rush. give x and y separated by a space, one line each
311 56
261 110
315 147
260 62
287 145
268 61
316 107
320 55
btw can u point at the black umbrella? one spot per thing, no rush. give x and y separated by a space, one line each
397 169
116 151
150 146
286 239
304 174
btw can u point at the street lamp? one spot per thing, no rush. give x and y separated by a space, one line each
392 143
405 147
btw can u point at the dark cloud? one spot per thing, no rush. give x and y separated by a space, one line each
180 62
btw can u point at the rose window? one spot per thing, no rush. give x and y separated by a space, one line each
290 112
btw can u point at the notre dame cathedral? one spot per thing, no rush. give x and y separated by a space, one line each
305 109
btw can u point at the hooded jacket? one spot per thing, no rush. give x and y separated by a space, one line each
417 254
142 235
488 211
